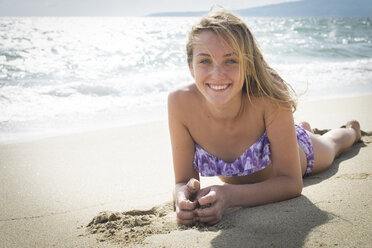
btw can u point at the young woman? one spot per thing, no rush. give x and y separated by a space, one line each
236 122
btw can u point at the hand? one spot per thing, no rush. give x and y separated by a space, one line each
216 197
184 203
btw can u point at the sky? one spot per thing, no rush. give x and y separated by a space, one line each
118 7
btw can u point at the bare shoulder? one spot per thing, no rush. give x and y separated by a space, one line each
261 104
182 100
270 108
182 94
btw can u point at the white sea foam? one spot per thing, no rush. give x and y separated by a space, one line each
61 75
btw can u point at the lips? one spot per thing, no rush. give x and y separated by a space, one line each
218 87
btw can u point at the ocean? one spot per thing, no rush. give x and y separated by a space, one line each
70 74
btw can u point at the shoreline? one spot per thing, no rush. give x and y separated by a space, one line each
301 114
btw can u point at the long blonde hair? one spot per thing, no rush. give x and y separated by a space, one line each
259 78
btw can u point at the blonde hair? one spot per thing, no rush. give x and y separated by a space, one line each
259 78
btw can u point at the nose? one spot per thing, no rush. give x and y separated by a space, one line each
217 71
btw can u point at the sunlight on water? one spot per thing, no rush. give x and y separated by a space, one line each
78 73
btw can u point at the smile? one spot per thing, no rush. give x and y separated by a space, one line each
218 86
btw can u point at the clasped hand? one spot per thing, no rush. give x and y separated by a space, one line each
195 205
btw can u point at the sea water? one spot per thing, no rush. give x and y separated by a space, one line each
71 74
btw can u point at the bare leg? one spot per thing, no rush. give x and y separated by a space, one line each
328 146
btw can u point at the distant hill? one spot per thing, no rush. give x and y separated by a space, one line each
305 8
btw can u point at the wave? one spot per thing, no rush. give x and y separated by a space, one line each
79 70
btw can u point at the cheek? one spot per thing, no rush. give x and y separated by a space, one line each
199 72
235 72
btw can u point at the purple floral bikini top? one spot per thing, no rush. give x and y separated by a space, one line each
255 158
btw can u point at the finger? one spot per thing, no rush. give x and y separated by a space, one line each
184 215
201 193
206 212
209 216
184 203
187 205
209 198
193 185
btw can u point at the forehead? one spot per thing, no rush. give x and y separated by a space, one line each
210 43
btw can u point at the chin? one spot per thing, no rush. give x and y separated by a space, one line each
218 101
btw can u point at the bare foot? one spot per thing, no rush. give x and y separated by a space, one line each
305 125
354 124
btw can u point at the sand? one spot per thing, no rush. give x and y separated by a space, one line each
112 188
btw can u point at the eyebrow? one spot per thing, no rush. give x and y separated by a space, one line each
208 55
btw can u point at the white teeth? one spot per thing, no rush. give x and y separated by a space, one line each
218 87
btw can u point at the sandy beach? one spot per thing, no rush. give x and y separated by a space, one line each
112 188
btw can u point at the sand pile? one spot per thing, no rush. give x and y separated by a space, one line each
133 227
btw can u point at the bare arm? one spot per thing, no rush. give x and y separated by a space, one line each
287 180
182 151
285 184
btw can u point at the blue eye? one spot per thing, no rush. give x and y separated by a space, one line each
204 61
231 61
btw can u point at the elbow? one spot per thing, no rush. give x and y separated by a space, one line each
293 187
296 187
298 191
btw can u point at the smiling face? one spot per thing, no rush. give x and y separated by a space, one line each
216 69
